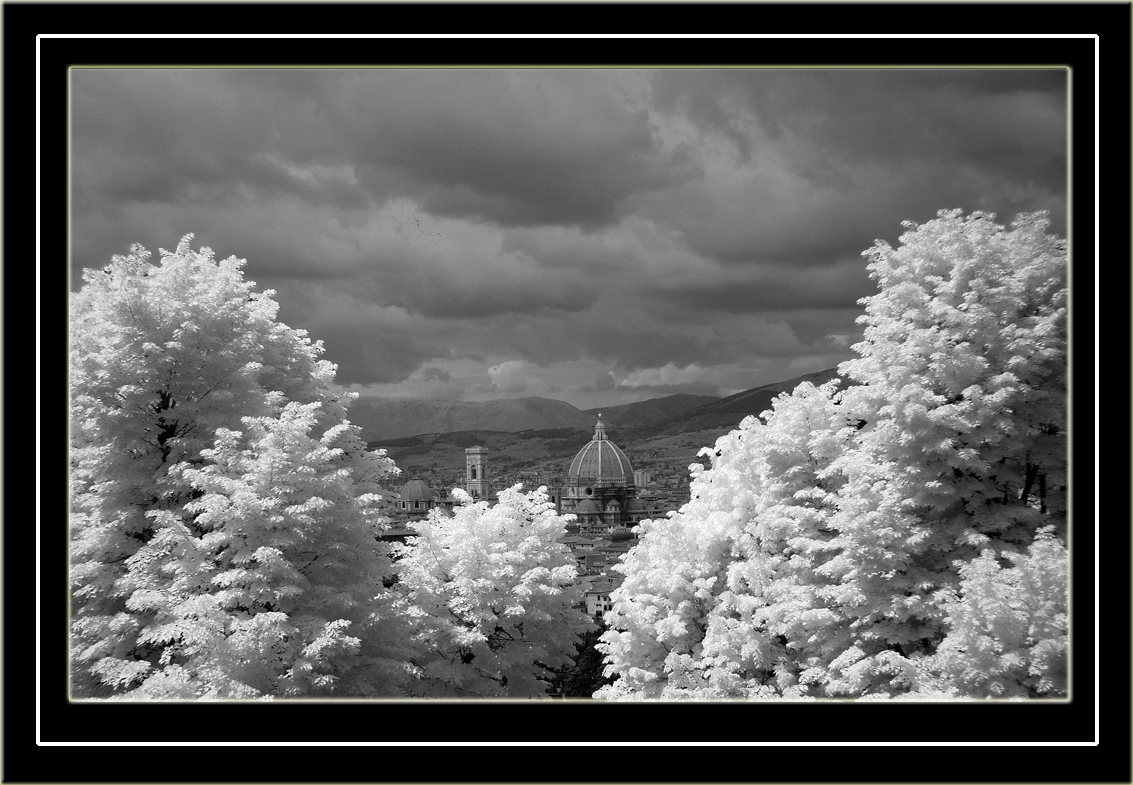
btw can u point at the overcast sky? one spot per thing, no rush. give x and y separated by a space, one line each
598 236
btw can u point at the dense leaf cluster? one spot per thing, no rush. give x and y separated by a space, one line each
903 536
494 598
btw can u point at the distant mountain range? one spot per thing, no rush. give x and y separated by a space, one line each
724 412
382 419
628 416
672 414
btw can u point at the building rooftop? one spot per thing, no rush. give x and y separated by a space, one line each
416 490
600 462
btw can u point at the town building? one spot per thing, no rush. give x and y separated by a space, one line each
416 498
597 593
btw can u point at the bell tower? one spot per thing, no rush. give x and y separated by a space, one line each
476 472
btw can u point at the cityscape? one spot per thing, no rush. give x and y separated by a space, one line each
597 536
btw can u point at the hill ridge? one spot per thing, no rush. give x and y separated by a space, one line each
391 419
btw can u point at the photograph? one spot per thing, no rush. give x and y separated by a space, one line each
700 386
602 383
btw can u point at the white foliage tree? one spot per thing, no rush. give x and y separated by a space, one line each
165 360
270 584
962 398
494 597
715 594
823 553
1007 625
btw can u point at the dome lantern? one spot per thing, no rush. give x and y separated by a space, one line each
599 429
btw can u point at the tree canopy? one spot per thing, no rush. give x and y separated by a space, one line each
494 597
901 536
221 505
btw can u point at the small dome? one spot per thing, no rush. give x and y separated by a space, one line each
416 490
601 463
587 507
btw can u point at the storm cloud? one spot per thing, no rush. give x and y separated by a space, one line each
607 235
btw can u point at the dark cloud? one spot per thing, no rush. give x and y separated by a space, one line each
540 223
824 159
517 290
603 382
647 344
362 359
514 147
169 135
876 114
370 343
770 288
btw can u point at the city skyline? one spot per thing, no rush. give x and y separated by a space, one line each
595 235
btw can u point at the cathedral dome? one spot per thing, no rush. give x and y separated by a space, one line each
601 463
416 490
